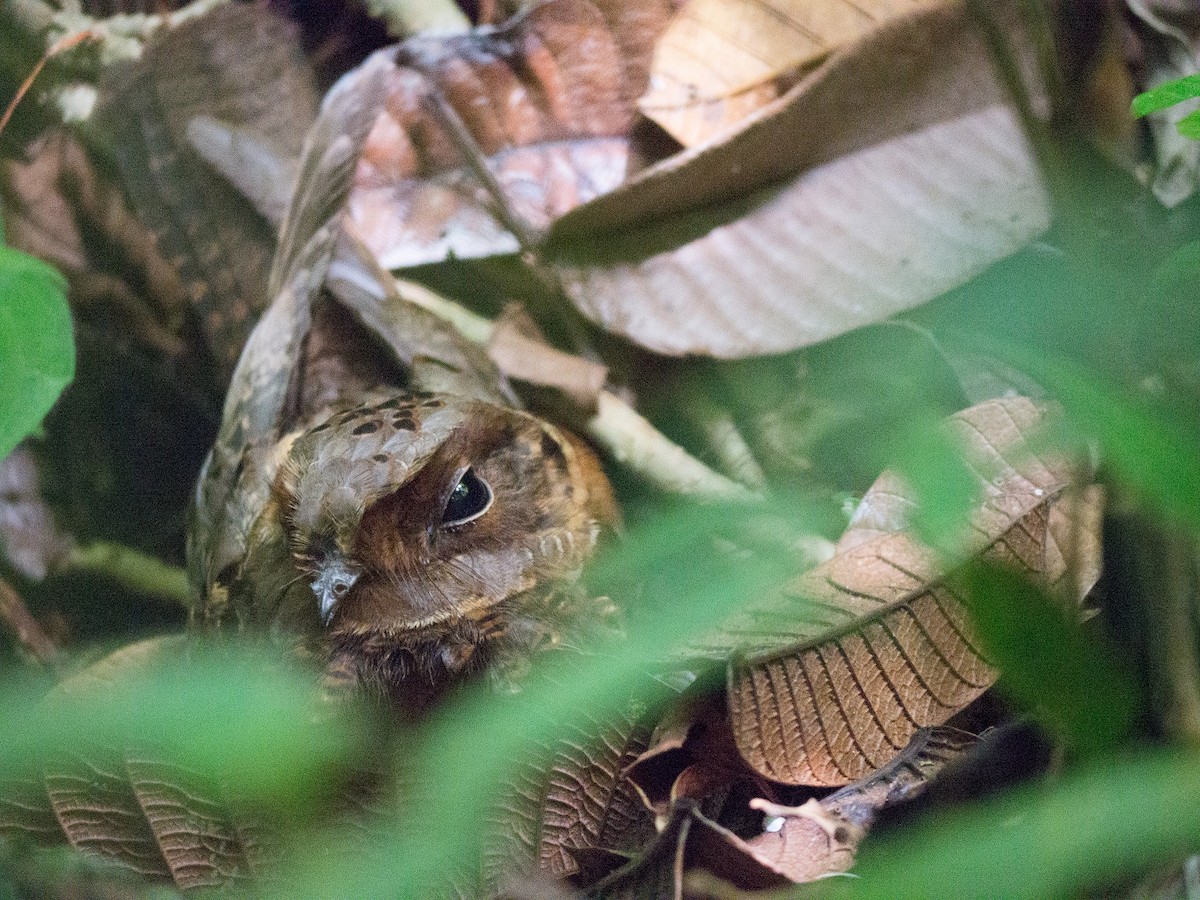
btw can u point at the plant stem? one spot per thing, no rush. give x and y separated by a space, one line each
137 571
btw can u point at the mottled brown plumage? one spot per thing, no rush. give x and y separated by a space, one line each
405 536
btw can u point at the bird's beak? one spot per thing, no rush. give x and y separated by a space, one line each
334 580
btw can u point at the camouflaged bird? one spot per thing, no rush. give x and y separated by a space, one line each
374 495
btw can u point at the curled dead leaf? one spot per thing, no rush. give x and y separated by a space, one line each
488 137
756 42
893 172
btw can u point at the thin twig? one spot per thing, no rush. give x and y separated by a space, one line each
527 236
618 428
724 439
25 627
409 17
59 46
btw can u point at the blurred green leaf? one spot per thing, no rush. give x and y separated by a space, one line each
931 462
1111 820
1181 268
1189 125
233 711
1166 94
1147 448
1069 681
37 351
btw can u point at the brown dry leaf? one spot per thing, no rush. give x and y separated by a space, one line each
821 837
26 813
691 757
543 104
138 812
892 173
99 812
797 844
191 823
718 61
872 645
572 797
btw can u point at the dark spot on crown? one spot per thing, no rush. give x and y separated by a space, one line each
366 428
550 448
404 422
380 457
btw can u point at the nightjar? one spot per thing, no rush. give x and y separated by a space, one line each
375 496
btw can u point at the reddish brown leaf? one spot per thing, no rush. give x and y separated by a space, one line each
691 757
545 105
821 837
573 796
874 645
100 814
190 823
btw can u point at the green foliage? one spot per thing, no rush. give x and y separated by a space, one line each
1169 94
37 352
1090 830
242 712
1069 680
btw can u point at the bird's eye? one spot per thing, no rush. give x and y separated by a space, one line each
469 500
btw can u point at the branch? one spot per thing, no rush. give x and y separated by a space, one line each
25 627
619 429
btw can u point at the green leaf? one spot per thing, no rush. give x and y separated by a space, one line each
1142 446
231 710
1167 94
1189 125
1068 680
932 464
37 349
1092 829
1181 270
